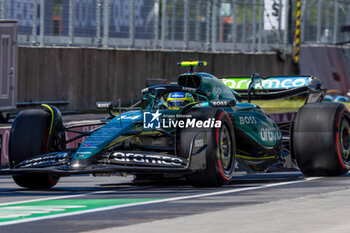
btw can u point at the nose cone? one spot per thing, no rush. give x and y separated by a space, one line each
79 164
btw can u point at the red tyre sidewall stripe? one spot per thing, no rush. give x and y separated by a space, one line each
222 172
217 129
218 160
337 137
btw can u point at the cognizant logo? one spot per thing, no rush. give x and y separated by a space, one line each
153 120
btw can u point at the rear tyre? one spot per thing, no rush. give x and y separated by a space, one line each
321 139
30 136
221 150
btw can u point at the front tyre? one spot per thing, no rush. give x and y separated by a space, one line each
30 136
36 181
220 154
321 139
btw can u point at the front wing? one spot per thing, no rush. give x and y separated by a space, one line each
128 161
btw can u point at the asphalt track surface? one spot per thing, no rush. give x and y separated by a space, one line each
273 202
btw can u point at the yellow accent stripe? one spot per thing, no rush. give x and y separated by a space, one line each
249 157
52 116
241 151
193 63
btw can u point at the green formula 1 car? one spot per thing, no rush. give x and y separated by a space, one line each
202 129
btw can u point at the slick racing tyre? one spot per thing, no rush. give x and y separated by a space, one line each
220 151
321 139
30 136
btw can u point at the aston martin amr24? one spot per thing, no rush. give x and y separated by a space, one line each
201 128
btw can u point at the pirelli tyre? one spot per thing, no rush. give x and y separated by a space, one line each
321 139
33 132
220 152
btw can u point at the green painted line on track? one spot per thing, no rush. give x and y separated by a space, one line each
52 207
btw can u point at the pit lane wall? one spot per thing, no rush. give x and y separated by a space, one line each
83 76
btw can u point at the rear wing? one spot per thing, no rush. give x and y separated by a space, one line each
275 87
270 84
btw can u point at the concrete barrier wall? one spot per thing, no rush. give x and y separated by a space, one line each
328 63
86 75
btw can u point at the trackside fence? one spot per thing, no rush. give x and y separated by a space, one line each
201 25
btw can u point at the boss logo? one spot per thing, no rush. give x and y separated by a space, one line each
219 103
103 105
247 120
223 103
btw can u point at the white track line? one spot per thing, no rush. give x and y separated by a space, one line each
56 198
147 202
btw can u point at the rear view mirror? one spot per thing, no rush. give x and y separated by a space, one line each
255 81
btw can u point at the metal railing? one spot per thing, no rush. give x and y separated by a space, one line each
201 25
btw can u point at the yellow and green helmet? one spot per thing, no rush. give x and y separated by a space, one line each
176 100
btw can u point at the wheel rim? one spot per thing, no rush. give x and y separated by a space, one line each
225 149
344 136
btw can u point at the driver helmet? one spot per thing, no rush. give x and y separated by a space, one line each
176 100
